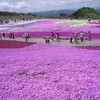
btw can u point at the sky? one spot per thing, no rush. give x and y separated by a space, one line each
45 5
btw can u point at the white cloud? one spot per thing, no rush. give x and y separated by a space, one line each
5 5
41 5
76 1
50 2
9 6
21 4
57 2
60 2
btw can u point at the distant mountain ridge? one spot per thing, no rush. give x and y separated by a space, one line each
81 13
55 13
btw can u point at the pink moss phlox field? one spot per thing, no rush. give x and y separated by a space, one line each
89 47
93 22
49 72
14 44
40 28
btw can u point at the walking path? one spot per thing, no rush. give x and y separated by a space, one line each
61 42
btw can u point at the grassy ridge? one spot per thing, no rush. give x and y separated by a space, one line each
86 12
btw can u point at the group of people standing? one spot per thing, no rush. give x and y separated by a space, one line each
2 35
76 37
73 39
53 37
26 36
11 35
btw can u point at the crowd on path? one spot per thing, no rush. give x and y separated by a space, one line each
79 36
73 38
11 35
53 38
26 36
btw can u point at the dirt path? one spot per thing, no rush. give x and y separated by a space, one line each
62 42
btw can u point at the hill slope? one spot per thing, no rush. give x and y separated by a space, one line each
86 12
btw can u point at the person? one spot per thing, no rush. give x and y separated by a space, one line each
25 36
52 36
70 37
89 19
76 37
89 35
46 40
57 36
3 35
10 35
81 36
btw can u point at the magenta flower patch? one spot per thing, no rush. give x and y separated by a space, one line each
49 72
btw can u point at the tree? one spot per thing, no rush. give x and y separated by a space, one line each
63 15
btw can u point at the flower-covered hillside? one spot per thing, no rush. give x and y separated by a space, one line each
44 27
14 44
49 72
